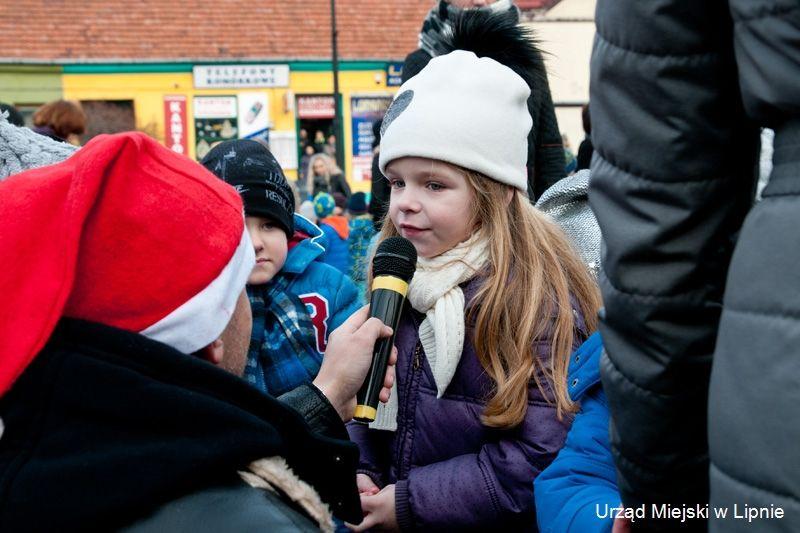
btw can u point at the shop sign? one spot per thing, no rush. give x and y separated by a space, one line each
315 107
215 120
365 110
214 107
253 115
240 76
175 124
394 74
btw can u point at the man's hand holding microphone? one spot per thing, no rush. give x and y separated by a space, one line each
363 346
347 361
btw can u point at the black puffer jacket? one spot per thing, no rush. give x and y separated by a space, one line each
678 90
107 428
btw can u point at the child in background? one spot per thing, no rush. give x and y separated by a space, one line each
498 302
296 300
361 233
336 230
340 203
583 478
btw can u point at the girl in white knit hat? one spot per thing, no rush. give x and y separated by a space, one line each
498 302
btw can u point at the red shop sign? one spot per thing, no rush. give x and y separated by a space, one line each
315 107
175 135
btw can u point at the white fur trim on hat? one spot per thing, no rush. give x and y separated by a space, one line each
465 110
199 321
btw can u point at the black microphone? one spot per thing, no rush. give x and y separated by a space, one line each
392 269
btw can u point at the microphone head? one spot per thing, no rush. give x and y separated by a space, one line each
396 257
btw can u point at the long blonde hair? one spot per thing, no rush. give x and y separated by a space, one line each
331 169
533 276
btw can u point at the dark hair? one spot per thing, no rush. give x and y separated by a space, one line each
63 116
14 116
587 119
376 132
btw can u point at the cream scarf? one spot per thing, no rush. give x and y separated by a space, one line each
435 291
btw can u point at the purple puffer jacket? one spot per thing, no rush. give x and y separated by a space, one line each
450 471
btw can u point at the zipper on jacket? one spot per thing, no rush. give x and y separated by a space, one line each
402 467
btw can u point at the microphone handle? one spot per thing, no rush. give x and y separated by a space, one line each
387 305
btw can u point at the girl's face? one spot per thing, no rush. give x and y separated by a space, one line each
319 167
430 204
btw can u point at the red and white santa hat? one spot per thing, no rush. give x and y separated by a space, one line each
125 233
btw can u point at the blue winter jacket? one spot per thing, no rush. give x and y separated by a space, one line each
329 295
582 477
337 254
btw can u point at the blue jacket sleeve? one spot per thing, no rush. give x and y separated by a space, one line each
345 301
578 485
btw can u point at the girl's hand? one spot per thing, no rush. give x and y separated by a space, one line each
379 511
366 485
621 525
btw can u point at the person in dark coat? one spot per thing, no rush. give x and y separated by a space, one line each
702 302
121 400
379 193
545 151
586 149
13 116
324 176
61 120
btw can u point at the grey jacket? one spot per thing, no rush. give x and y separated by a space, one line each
567 203
22 149
678 91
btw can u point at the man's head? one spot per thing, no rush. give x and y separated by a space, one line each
119 212
229 351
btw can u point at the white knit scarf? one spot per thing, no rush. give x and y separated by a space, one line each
435 291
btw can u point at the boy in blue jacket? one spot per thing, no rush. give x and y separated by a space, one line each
336 229
296 300
578 491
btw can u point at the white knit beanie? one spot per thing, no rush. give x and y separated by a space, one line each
464 110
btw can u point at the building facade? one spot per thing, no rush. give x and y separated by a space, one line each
191 74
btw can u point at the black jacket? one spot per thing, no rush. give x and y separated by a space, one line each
585 151
678 89
337 184
381 191
107 427
545 150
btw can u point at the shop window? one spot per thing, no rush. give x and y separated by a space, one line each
27 111
315 131
110 116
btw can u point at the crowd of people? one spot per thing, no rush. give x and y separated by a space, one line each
183 350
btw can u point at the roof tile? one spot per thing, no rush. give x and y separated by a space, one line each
162 30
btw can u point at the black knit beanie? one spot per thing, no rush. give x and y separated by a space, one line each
254 172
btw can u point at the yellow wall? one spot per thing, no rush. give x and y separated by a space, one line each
147 91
